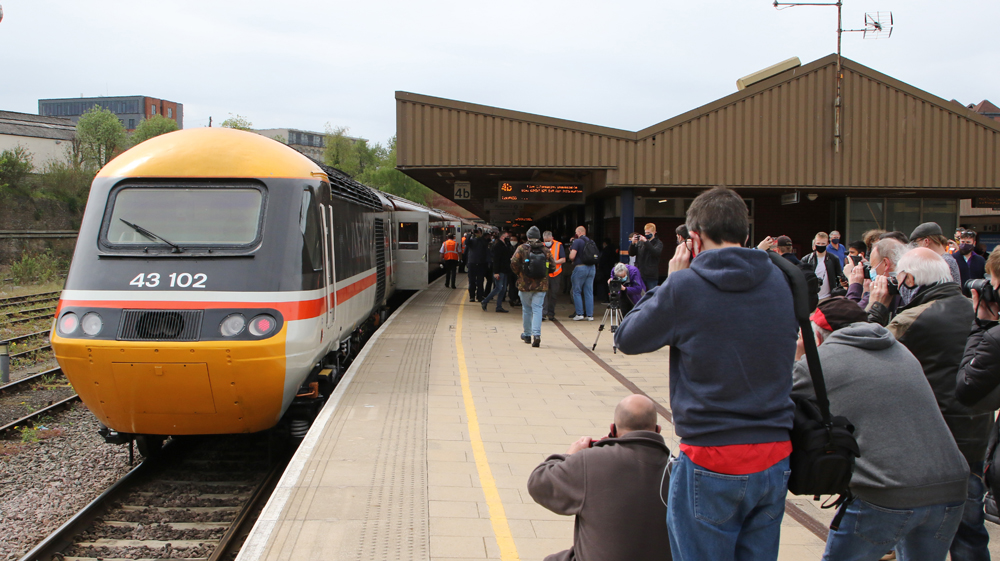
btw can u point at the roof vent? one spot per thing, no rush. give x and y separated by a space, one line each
773 70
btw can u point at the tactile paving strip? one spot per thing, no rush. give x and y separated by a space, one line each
396 526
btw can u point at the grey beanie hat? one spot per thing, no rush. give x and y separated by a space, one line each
534 233
925 230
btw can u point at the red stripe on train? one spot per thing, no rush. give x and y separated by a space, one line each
291 311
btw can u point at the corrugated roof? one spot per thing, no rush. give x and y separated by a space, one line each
36 126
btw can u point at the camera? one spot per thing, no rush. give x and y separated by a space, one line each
615 291
984 288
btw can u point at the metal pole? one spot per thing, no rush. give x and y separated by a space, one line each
840 75
626 222
4 363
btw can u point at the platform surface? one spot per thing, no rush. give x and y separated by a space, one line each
389 470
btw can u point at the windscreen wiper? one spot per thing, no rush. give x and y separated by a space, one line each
152 236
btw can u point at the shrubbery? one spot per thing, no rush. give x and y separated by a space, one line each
36 268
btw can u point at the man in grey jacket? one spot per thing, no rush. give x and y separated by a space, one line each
616 487
909 484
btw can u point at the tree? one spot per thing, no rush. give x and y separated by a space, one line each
101 136
15 167
237 122
154 126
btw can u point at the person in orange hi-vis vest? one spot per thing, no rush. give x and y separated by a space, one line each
555 276
449 257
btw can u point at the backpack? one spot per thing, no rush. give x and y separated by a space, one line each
590 254
823 447
536 263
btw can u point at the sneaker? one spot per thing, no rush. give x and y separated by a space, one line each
536 342
526 338
502 311
472 299
552 318
578 318
484 306
545 318
590 318
571 316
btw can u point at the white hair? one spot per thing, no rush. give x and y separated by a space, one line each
819 331
890 249
923 268
621 268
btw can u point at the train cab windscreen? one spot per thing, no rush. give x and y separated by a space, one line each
184 216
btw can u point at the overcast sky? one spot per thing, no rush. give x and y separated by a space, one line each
308 63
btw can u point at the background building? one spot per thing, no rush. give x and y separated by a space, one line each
129 109
47 138
310 143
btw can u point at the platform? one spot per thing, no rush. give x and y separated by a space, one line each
425 449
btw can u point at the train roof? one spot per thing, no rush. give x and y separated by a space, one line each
212 152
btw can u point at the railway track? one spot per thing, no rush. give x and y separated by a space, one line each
8 304
196 500
13 391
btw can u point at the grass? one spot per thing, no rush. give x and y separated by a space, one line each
9 289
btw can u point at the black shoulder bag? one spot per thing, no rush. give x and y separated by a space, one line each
823 446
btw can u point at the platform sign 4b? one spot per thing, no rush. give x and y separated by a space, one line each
463 191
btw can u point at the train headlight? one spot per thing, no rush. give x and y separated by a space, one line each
262 325
91 324
233 325
68 324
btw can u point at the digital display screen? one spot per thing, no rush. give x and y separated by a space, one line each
539 192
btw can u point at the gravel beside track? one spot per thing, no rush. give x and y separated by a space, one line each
17 404
44 483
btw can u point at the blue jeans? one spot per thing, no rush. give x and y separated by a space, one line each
972 541
531 312
721 517
499 289
868 531
583 282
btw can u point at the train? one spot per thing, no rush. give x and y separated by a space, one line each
223 281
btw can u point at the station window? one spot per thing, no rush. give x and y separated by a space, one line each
409 235
900 214
170 112
154 109
131 124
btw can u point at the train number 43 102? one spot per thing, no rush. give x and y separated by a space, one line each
182 280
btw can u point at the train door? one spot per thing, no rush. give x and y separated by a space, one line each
411 231
329 292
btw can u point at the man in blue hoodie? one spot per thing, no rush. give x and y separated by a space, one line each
728 319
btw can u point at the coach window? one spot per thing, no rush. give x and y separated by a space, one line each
409 235
309 225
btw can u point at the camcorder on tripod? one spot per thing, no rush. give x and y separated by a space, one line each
614 312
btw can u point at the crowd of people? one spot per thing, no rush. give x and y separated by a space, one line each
907 333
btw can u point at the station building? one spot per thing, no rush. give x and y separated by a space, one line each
46 138
898 157
129 109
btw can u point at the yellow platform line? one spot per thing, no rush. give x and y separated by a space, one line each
498 518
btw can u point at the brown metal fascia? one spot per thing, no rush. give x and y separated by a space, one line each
754 89
487 110
939 102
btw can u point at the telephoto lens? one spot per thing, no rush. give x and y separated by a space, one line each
984 288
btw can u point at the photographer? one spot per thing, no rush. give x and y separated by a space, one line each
730 387
882 301
647 250
628 279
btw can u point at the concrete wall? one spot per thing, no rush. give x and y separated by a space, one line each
42 149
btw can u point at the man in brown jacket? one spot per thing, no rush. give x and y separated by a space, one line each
532 263
616 487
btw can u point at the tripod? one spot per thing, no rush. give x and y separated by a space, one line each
614 312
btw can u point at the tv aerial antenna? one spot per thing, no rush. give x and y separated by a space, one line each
878 25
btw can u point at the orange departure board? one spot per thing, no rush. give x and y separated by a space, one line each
539 192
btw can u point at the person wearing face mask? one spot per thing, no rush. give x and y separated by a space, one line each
971 265
555 277
835 248
647 249
829 269
934 326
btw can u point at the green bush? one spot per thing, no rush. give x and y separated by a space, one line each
66 183
36 267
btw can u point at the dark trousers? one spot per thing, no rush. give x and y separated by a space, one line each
512 294
450 268
488 275
555 287
477 274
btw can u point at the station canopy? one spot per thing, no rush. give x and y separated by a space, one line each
774 136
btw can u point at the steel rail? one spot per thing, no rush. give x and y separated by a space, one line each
21 299
19 338
31 351
18 385
32 310
26 320
231 539
29 420
50 547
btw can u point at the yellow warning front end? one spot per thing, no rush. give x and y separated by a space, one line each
174 388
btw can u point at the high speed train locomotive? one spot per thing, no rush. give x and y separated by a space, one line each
221 278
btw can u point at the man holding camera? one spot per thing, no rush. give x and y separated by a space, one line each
647 250
626 278
730 388
614 487
934 326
